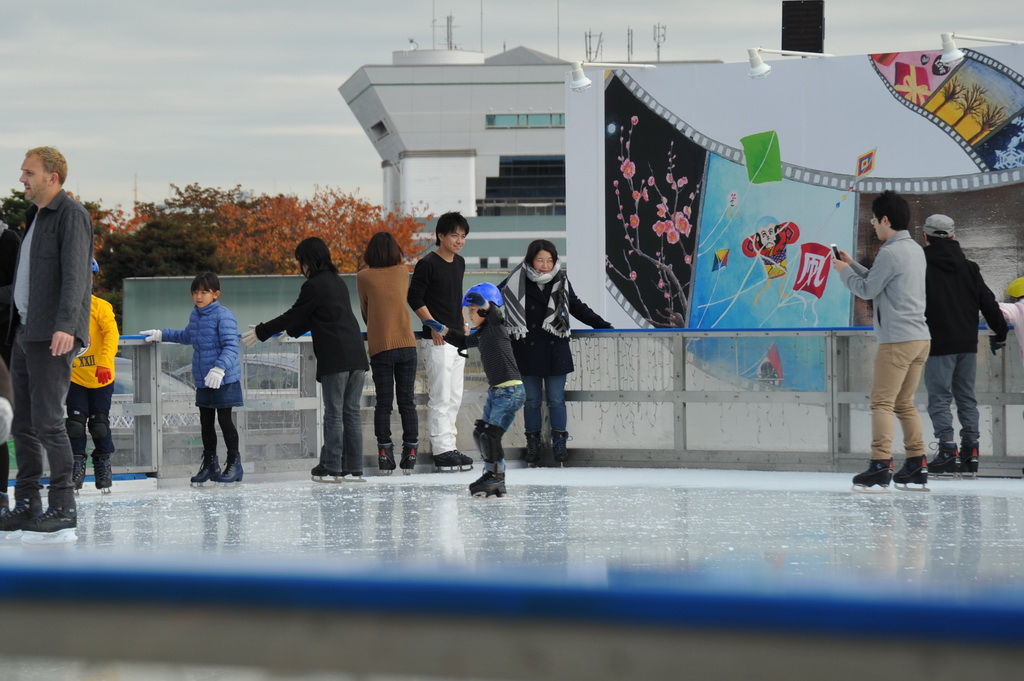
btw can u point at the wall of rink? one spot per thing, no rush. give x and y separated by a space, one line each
758 400
301 618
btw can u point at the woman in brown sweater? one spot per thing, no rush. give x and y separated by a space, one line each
383 286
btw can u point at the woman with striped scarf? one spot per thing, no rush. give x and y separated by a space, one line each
538 302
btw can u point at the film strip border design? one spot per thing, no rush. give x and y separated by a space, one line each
626 306
844 182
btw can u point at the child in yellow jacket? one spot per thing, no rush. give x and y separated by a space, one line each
90 394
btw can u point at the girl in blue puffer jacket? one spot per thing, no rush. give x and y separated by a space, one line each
213 332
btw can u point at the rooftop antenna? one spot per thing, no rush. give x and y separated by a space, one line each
481 26
593 50
450 32
659 38
629 43
558 30
433 25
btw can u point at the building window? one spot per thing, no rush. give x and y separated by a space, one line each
533 120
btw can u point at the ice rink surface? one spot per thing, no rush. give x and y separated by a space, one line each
961 534
578 524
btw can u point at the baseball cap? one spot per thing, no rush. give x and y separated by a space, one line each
939 226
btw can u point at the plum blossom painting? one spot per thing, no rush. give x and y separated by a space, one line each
654 176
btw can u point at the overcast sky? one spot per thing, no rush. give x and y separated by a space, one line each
226 93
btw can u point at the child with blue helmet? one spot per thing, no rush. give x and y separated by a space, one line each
506 394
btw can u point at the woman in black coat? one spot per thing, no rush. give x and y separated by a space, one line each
538 302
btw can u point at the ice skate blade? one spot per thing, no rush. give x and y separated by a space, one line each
447 469
354 479
10 536
487 495
387 471
873 489
905 487
66 536
331 479
105 490
406 471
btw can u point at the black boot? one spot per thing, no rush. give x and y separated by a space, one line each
559 440
78 471
488 485
101 470
57 525
408 462
947 461
386 457
879 473
210 470
232 469
532 455
969 458
13 521
913 472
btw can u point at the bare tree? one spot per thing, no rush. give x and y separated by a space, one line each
988 118
952 90
971 101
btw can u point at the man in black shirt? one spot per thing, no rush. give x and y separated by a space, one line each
955 294
435 292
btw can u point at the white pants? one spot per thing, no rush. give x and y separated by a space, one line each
445 369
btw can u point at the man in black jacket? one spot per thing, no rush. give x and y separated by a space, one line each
955 294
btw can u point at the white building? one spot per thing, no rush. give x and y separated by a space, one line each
456 131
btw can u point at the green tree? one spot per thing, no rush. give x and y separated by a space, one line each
13 208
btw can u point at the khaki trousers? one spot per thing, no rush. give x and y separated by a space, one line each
898 368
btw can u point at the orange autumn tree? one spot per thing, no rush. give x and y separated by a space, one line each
259 236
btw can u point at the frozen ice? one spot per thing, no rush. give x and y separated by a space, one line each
569 520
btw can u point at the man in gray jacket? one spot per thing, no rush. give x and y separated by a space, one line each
896 284
51 322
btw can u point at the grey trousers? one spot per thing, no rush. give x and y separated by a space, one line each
950 378
40 388
343 429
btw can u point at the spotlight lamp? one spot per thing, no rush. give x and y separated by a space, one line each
951 54
578 81
758 69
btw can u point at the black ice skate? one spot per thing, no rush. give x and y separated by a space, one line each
465 462
386 458
408 462
320 473
56 526
969 458
449 461
559 446
947 461
101 470
879 473
12 522
78 471
210 470
913 472
532 454
488 485
233 471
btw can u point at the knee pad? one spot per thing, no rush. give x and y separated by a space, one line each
491 437
75 425
478 432
99 426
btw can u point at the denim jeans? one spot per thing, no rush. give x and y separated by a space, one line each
554 386
502 405
949 378
343 433
394 374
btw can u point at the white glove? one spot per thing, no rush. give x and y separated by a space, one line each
214 378
152 335
249 338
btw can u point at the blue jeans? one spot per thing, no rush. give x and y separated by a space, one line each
343 432
502 405
950 378
554 386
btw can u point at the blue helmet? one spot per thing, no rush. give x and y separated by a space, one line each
95 267
487 290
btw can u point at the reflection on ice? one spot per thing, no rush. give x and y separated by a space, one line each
963 534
